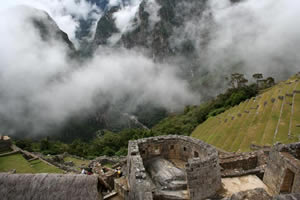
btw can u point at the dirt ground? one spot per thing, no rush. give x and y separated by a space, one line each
238 184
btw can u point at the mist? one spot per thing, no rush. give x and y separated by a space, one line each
67 13
249 37
41 86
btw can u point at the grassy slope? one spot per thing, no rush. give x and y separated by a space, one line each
15 161
77 162
18 162
255 121
41 167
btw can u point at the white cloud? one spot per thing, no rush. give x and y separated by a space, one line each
262 36
124 17
66 13
152 7
41 87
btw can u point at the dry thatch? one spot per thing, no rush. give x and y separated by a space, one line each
48 186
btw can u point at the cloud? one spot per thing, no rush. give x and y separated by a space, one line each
261 34
125 15
152 7
257 36
66 13
40 86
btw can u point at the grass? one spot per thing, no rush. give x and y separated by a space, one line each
15 161
77 162
296 117
21 165
41 167
5 151
255 126
273 118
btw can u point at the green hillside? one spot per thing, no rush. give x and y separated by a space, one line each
21 165
270 117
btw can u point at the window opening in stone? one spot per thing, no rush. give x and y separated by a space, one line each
287 184
157 150
184 148
196 154
172 147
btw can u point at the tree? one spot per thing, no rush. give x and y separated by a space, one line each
270 81
45 144
257 77
237 80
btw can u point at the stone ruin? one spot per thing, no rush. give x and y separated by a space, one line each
181 167
172 167
282 174
5 144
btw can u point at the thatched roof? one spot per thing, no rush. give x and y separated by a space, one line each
48 186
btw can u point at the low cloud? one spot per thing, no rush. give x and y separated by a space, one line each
250 36
124 17
66 13
41 86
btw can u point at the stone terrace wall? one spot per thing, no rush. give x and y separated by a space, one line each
139 187
5 144
203 176
240 164
174 147
282 159
203 171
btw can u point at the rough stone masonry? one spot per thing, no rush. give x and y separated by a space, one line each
203 177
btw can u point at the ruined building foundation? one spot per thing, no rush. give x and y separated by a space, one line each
282 174
172 167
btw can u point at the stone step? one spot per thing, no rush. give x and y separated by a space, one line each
110 195
172 195
176 185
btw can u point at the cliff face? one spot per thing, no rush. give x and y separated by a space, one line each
155 23
48 29
106 27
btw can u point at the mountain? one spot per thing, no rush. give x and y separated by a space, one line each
160 28
151 30
272 116
47 28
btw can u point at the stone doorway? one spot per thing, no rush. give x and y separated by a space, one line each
287 184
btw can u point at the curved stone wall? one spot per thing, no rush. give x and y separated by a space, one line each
202 165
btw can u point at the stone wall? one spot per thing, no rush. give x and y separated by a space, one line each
202 168
282 174
203 177
240 164
173 147
121 187
139 187
5 144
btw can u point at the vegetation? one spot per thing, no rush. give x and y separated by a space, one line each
77 162
111 143
15 161
269 118
185 123
21 165
40 167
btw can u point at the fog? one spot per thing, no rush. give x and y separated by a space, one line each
41 86
248 37
66 13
